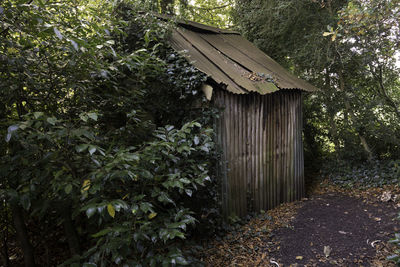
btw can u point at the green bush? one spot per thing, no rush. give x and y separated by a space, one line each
101 137
132 198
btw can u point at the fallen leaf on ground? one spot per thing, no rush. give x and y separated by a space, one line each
327 251
386 196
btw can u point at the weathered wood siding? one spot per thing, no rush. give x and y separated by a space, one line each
262 161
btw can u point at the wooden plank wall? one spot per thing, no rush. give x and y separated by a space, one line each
262 161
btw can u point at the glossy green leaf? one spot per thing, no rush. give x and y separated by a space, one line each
68 188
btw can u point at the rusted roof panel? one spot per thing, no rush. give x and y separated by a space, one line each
232 61
202 62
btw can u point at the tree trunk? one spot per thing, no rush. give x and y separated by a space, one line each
70 231
382 90
333 132
5 222
333 127
353 117
22 235
4 253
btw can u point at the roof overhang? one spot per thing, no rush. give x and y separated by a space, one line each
234 63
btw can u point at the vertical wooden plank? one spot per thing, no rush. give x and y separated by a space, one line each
233 144
282 149
239 141
262 156
241 166
296 148
252 144
240 156
244 153
292 151
265 156
255 173
228 151
253 149
261 153
276 149
272 149
220 103
269 149
225 126
293 185
301 147
298 145
287 148
266 151
248 155
283 152
278 145
298 140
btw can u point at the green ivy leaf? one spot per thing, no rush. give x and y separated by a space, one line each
51 120
83 117
93 116
37 114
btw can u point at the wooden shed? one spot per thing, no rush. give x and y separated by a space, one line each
260 125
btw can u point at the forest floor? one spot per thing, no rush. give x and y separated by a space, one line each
331 227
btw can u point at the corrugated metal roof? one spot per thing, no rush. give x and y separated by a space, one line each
232 61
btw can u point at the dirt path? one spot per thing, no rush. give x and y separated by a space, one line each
331 228
335 229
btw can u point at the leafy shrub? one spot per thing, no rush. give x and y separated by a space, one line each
100 135
133 195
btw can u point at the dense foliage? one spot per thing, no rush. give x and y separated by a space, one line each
106 144
348 49
377 174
